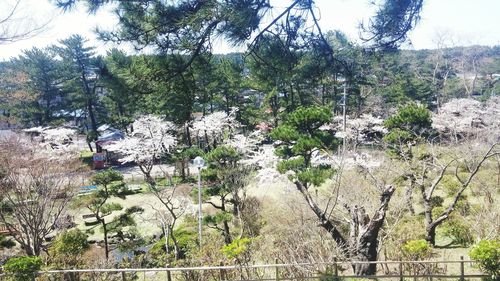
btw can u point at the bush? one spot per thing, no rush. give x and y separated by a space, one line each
487 253
436 201
6 243
416 249
450 184
458 231
237 248
68 247
23 268
186 240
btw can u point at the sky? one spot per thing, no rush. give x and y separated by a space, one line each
459 22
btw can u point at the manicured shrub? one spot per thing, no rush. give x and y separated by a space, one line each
23 268
458 231
416 249
487 253
67 248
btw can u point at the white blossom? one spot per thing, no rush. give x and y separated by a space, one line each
266 161
358 130
149 140
215 124
56 142
467 117
347 161
245 144
59 135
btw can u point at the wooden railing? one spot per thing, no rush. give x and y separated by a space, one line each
395 270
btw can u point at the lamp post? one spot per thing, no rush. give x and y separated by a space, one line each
199 163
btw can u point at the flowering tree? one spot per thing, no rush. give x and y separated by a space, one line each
364 129
36 190
212 127
59 142
150 139
460 118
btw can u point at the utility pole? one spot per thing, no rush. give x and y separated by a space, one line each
200 216
344 116
199 163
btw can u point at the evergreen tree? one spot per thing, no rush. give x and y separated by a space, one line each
82 73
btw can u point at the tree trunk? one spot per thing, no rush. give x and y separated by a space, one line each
227 234
188 136
93 122
225 224
364 234
430 235
430 225
324 221
105 230
361 269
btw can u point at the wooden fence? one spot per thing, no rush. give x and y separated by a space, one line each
326 271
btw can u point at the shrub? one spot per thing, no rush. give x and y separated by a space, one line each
487 253
23 268
416 249
436 201
458 231
6 243
68 247
450 184
236 248
186 240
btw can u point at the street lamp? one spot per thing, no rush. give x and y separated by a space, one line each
199 163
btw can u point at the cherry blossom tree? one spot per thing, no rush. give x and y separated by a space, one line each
214 126
365 129
461 118
150 139
58 142
37 189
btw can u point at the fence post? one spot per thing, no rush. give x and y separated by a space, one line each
401 271
222 272
124 278
277 271
335 268
169 276
462 268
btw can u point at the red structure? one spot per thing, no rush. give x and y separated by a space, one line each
99 159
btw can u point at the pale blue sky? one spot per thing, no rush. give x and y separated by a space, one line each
464 22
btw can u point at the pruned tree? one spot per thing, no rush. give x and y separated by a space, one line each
428 171
110 184
176 202
35 192
299 138
226 180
